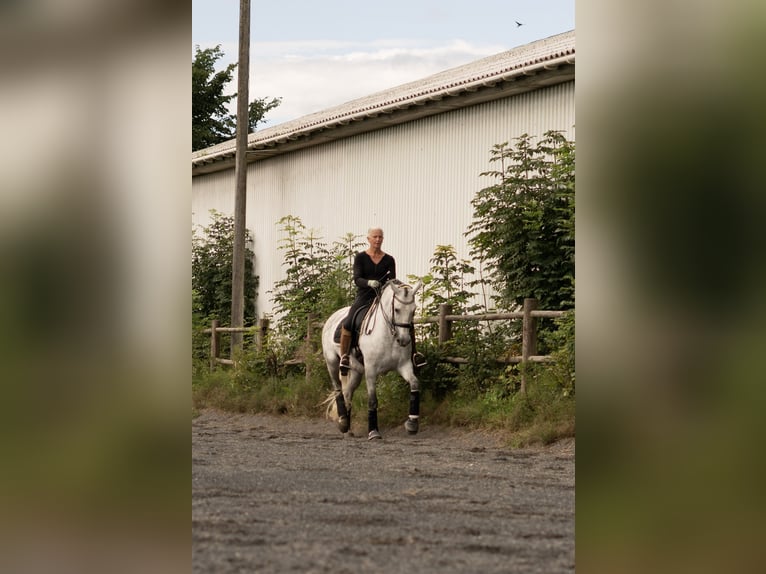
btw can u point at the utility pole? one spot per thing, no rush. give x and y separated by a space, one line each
240 170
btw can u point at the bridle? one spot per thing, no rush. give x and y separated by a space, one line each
393 324
390 322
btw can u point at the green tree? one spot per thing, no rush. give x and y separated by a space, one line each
211 122
256 111
523 226
212 254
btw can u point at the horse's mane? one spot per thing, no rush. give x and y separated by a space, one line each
391 283
399 283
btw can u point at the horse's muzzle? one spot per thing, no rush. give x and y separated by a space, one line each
406 339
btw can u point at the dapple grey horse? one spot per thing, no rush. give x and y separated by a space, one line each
385 345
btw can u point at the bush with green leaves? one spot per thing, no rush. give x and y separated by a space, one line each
305 262
523 225
338 284
200 340
212 255
563 341
317 281
447 283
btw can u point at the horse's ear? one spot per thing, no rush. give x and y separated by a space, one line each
417 287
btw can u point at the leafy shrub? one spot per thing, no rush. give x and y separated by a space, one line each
317 280
212 255
523 226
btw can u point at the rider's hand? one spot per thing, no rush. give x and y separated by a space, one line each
372 283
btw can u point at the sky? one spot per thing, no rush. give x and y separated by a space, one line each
315 54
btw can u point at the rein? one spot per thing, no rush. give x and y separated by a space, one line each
392 325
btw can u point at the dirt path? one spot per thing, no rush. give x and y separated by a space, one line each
273 494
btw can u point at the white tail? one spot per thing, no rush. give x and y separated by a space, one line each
331 410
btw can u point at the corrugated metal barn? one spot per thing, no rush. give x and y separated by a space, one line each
406 159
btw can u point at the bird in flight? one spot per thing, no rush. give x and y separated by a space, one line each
518 23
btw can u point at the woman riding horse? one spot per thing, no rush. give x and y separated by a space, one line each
372 269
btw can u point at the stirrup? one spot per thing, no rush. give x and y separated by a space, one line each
345 364
419 360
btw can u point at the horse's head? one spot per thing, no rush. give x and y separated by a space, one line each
401 307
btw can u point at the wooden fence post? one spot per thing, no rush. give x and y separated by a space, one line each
445 327
214 343
263 331
528 339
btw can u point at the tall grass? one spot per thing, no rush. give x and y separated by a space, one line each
542 415
284 395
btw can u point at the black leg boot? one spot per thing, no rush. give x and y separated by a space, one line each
372 425
413 420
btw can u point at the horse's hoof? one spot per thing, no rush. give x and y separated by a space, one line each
412 426
343 424
373 434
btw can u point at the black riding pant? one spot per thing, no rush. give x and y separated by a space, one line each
362 300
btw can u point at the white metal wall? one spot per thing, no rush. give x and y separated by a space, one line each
416 180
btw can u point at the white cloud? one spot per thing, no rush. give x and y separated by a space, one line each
312 76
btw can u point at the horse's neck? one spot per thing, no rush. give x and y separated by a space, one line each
376 313
386 295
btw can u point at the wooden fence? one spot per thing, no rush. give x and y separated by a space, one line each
529 315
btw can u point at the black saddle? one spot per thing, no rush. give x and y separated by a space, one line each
357 324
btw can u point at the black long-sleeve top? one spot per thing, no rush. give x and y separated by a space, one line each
366 269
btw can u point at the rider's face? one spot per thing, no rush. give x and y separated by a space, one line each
375 238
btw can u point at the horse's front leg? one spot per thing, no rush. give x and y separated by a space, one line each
408 374
372 406
344 414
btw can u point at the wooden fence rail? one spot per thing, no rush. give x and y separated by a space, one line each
215 339
529 315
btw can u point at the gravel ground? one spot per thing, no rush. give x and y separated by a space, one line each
278 494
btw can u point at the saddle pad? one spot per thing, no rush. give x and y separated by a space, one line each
357 323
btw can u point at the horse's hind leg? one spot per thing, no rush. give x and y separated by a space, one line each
344 421
372 407
343 397
344 414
